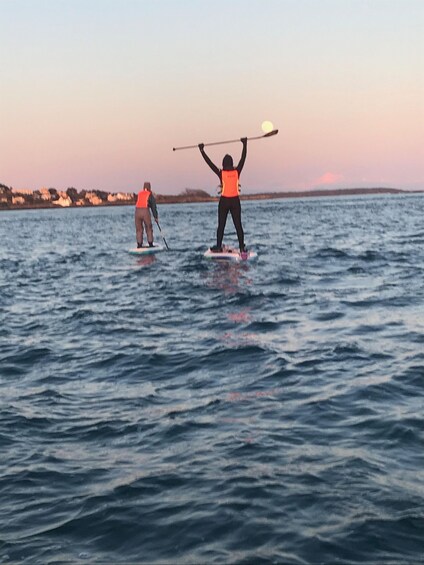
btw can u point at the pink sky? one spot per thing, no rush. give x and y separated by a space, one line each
97 93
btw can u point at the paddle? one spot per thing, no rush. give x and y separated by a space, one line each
269 134
163 237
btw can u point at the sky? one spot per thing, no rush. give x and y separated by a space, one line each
96 93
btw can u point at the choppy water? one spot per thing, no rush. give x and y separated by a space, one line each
174 410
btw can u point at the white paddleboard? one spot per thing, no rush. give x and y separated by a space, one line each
145 250
230 254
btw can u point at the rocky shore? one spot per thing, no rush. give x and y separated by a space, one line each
13 199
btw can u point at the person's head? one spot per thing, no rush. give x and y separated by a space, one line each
227 163
147 186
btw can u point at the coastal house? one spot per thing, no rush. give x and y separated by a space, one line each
45 194
120 197
64 200
92 198
18 200
22 191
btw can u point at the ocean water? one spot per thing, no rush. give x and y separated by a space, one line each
171 409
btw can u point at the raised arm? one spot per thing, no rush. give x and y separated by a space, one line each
243 155
208 161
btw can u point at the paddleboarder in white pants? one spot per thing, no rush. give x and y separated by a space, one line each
143 221
230 199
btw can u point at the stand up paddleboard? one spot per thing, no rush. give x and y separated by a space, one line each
230 254
145 250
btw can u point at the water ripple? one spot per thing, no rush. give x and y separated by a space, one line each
173 410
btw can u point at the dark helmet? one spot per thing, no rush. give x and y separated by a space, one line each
227 163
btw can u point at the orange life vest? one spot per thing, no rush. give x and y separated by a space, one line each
230 184
143 199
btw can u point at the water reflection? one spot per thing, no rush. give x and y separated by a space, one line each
229 277
146 260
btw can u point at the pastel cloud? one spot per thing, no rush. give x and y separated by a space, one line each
328 178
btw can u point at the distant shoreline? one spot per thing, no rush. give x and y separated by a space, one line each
276 195
24 201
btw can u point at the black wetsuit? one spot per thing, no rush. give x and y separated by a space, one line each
228 204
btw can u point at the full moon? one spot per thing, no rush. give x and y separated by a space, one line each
267 127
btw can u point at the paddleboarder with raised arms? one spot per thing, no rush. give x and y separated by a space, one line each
230 196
